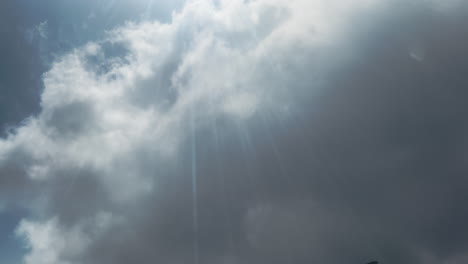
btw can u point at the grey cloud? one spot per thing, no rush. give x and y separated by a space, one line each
69 120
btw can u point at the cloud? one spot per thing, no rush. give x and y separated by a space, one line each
326 131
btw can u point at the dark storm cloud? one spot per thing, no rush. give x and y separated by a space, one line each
374 167
383 147
362 157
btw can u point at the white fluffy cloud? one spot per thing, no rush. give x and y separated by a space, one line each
214 58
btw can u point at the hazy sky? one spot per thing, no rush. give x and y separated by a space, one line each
233 132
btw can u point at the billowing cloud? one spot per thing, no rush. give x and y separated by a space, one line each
251 132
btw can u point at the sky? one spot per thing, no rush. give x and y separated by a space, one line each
233 131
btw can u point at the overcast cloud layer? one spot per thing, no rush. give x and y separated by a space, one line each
265 131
